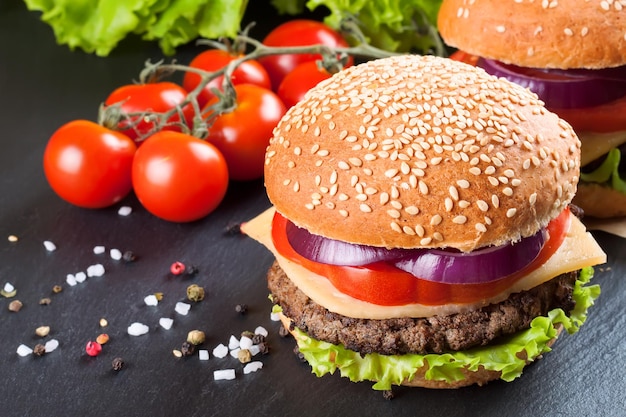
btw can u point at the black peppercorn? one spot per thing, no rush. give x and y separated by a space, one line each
187 349
241 308
192 270
388 394
117 364
233 229
258 338
39 349
264 348
299 355
129 256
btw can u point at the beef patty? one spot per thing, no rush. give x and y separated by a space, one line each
437 334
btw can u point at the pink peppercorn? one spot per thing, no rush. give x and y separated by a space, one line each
177 268
93 348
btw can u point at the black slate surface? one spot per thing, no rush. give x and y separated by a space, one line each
43 86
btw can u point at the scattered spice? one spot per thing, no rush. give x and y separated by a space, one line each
103 322
233 229
117 364
13 238
388 394
93 348
187 349
283 332
42 331
129 256
57 289
177 268
102 338
299 355
177 353
241 308
39 349
45 301
248 334
195 293
244 356
15 306
192 270
196 337
158 295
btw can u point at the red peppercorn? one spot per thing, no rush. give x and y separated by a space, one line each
93 348
177 268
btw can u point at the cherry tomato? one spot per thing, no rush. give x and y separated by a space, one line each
89 165
243 134
296 84
605 118
156 97
299 32
178 177
248 72
383 284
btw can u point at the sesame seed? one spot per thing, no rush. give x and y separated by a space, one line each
459 220
344 213
365 208
393 213
482 205
480 227
449 205
511 212
412 210
425 241
343 165
436 220
395 227
408 230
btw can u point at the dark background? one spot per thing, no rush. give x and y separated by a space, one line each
43 86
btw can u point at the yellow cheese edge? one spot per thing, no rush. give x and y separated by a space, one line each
594 145
579 249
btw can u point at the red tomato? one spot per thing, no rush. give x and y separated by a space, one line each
243 134
299 32
178 177
248 72
383 284
151 97
605 118
296 84
89 165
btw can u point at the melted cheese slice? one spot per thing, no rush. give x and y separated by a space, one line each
594 145
578 250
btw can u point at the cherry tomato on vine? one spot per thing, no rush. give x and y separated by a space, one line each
89 165
296 84
299 32
178 177
156 97
243 134
248 72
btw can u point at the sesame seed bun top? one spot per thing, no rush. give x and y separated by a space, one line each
420 151
541 34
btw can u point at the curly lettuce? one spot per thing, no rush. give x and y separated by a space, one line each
388 370
392 25
608 172
97 26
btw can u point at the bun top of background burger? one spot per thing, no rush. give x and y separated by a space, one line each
421 225
572 53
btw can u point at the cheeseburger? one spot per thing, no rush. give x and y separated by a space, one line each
573 55
421 225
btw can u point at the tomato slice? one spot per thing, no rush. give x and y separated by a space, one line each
383 284
605 118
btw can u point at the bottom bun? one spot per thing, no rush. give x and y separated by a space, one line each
479 377
600 201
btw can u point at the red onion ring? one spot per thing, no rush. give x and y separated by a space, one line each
564 89
439 265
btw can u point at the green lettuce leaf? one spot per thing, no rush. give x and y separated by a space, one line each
393 25
388 370
97 26
608 172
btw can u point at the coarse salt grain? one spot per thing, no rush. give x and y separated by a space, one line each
233 342
115 254
50 246
8 287
220 351
254 350
80 277
252 367
235 353
71 280
24 350
166 322
151 300
182 308
261 331
99 249
274 317
96 270
137 329
51 345
203 355
224 374
124 210
245 342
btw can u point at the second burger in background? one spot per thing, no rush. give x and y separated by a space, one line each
573 55
421 225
